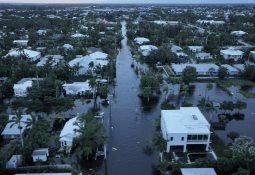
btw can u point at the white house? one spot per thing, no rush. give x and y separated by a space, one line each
77 88
41 32
67 47
213 22
182 55
12 130
141 40
55 59
98 58
202 69
33 55
20 42
176 49
232 54
238 33
21 88
198 171
147 49
15 161
231 70
185 127
195 48
40 154
240 67
68 133
203 55
78 36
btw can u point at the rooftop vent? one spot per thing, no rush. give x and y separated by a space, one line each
194 117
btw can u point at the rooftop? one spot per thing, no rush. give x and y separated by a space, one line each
198 171
185 120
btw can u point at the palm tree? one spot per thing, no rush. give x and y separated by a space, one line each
93 85
17 120
166 90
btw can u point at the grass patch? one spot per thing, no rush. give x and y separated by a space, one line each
247 94
218 145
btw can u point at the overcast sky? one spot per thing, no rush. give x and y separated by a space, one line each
129 1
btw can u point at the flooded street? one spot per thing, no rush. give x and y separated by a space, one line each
130 126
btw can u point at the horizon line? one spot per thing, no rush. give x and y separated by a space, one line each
94 3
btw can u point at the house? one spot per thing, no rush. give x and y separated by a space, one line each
12 130
182 55
78 36
184 128
147 49
98 58
176 49
207 69
68 133
238 33
40 154
21 88
15 161
41 32
231 70
67 47
212 22
232 54
77 88
198 171
203 55
141 40
20 42
33 55
240 67
195 48
54 60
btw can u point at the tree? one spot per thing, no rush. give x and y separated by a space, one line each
17 120
227 105
149 85
189 74
166 90
243 147
222 73
240 105
92 135
233 135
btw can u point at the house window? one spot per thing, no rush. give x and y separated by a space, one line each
189 137
205 137
182 138
171 138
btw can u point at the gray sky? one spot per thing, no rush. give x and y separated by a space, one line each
129 1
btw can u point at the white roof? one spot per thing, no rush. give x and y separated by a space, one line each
76 87
240 67
28 53
238 32
195 47
231 52
23 85
12 129
210 22
98 55
198 171
186 120
20 41
40 151
67 46
69 131
55 59
78 35
229 68
146 49
176 48
199 67
141 40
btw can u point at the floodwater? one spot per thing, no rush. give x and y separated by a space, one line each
130 126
